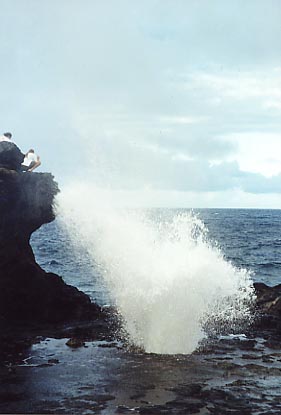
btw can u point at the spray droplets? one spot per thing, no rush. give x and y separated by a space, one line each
168 282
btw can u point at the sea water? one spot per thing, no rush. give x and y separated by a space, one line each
249 238
169 281
168 272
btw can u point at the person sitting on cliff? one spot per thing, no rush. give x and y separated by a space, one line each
6 137
31 161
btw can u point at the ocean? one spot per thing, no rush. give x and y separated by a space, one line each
231 373
248 238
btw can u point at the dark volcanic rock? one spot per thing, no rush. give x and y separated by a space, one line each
269 307
268 298
26 203
27 293
10 156
75 343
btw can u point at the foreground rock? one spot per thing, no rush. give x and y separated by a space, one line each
29 295
268 307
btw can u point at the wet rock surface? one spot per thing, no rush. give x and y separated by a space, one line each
59 353
268 307
221 378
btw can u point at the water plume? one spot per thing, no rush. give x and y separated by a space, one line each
164 276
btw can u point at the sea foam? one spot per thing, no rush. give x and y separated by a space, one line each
167 281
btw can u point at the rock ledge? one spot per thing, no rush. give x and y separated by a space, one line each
28 294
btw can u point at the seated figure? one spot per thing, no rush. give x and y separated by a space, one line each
31 161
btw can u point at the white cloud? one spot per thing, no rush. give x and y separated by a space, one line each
257 152
271 104
240 85
160 198
184 119
167 95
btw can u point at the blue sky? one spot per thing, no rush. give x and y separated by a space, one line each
171 103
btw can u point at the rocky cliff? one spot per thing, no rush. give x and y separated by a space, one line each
27 293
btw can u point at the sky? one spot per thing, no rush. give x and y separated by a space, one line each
166 102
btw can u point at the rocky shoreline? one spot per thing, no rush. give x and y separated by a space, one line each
231 375
29 295
222 377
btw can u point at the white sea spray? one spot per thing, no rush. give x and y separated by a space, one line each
166 279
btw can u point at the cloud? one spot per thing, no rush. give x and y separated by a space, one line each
167 95
241 85
191 144
257 152
118 162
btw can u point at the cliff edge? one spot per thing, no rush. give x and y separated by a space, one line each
28 294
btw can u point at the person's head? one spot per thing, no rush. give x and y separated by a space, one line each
31 150
8 135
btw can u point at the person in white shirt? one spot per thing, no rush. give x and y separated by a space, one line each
6 137
31 161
